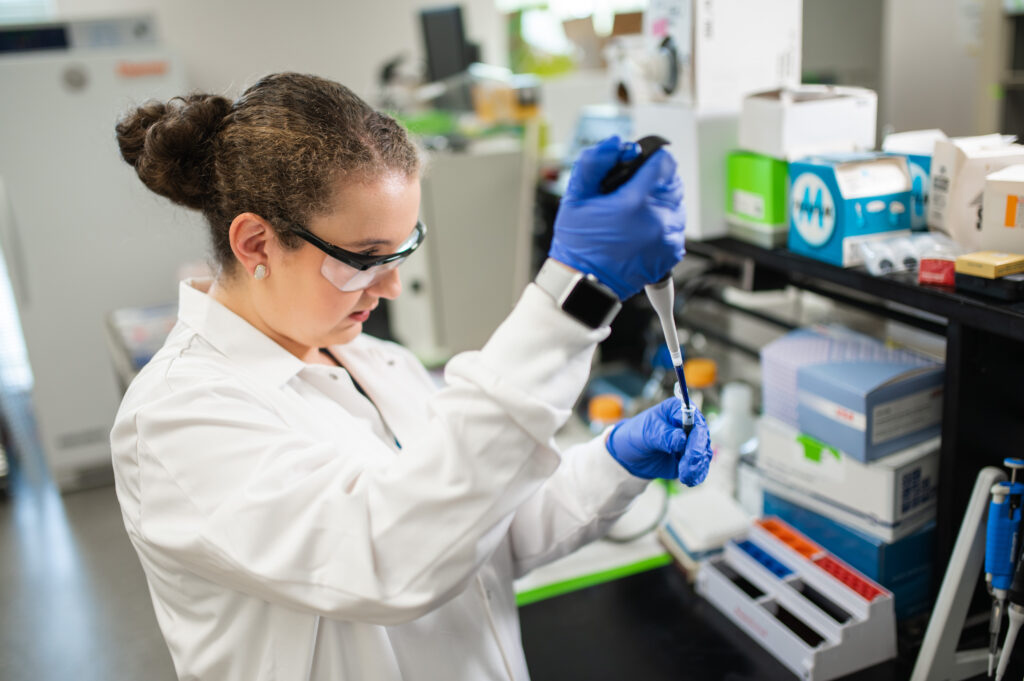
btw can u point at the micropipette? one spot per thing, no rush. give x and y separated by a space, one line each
662 293
1015 613
662 297
1002 548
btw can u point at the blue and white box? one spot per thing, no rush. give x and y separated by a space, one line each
917 147
851 391
838 201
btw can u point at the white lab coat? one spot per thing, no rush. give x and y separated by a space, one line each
285 536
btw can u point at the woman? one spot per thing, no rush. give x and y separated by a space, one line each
305 503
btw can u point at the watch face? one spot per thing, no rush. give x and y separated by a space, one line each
588 304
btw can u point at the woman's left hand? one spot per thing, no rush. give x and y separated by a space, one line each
653 444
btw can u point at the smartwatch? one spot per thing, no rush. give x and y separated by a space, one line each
580 295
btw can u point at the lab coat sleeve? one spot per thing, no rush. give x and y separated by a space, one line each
579 503
227 489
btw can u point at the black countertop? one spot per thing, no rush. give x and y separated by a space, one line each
651 626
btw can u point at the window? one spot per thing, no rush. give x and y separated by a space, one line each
24 11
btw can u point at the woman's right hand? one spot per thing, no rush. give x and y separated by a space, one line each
628 238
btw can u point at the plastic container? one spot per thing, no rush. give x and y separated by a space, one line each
604 410
733 428
701 374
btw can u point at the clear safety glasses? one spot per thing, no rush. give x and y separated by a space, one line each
350 271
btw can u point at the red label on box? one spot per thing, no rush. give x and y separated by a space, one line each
937 272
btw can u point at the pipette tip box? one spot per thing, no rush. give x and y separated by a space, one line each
818 616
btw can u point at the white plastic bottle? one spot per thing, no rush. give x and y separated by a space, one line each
734 426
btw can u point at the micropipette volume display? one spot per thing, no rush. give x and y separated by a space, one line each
661 294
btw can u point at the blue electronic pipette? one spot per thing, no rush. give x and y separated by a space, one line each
1002 548
661 294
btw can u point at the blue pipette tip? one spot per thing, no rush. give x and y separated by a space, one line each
681 377
687 415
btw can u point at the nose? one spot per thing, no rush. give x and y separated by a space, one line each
388 286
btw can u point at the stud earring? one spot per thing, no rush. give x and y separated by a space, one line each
260 272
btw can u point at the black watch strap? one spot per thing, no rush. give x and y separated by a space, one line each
580 295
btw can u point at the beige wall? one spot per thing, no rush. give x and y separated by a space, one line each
227 44
932 66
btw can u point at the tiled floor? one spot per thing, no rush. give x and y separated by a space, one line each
73 597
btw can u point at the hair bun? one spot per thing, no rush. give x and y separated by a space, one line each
170 145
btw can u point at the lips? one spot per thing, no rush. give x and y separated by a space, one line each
360 316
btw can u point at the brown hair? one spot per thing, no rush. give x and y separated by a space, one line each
278 151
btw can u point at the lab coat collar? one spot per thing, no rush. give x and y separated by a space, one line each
235 338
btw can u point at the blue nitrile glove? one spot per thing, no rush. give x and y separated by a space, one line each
628 238
653 444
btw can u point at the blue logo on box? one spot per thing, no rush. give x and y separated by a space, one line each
814 210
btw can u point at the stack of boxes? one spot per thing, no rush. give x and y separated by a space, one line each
959 169
993 222
848 452
776 129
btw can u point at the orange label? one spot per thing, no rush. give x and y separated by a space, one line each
1011 212
138 69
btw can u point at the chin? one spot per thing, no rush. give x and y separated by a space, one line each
345 334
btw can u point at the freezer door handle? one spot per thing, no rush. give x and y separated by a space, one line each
10 244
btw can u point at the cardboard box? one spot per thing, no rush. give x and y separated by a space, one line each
1002 215
836 202
851 391
886 491
872 408
700 141
755 203
808 120
917 147
711 53
698 522
904 566
959 168
990 264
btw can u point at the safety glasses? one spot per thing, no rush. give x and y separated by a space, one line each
350 271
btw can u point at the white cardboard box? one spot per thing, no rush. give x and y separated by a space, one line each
887 490
913 142
700 142
711 53
959 168
1002 215
884 532
807 120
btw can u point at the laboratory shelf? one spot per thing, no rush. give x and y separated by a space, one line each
983 399
901 289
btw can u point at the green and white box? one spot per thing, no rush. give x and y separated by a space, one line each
888 497
756 202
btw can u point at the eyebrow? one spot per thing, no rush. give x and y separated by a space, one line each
366 243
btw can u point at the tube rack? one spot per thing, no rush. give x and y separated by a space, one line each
818 616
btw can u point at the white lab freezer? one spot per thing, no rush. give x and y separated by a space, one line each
82 236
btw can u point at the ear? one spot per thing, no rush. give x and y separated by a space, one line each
250 235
